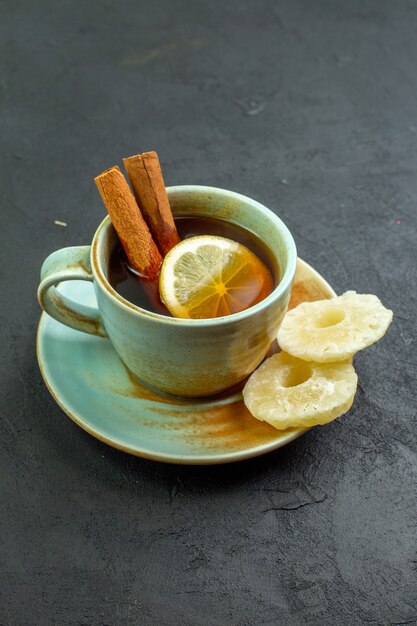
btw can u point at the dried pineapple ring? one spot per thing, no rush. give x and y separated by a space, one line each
334 330
287 392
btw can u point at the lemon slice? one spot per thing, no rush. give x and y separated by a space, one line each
335 329
288 392
209 276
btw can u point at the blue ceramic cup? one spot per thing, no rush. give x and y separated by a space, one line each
183 357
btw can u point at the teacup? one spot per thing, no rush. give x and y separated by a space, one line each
185 357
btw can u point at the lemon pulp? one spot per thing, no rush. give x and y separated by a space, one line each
209 276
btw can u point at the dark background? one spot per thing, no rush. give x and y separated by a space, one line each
311 108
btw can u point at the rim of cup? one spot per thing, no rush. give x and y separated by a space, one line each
282 286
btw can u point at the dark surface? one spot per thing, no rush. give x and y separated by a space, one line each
311 108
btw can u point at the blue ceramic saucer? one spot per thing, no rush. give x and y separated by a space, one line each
92 386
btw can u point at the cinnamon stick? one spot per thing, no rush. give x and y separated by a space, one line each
134 235
148 185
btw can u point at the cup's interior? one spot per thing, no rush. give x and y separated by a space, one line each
224 205
106 245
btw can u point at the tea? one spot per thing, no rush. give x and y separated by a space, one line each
125 281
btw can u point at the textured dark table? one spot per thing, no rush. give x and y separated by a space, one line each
311 108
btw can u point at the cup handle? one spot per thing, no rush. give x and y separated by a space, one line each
69 264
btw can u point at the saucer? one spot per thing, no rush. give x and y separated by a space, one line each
92 386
